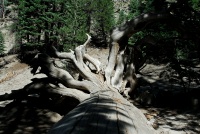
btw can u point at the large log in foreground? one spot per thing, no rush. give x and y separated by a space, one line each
105 112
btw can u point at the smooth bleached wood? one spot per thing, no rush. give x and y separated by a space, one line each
103 113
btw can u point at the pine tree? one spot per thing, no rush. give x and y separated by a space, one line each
1 44
73 30
49 22
122 17
29 24
102 19
63 22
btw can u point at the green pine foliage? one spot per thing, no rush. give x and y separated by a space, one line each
1 44
100 19
195 4
122 18
49 22
62 23
75 26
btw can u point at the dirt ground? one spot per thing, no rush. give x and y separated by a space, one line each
168 112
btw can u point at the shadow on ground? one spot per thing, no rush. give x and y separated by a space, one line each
33 115
162 94
172 105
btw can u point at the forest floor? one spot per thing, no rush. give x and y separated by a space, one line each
169 111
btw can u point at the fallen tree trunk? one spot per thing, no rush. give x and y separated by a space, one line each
102 108
105 111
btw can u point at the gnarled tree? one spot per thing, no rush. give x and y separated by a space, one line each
105 110
102 107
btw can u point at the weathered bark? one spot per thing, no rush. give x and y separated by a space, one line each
105 111
137 24
111 62
50 86
119 42
102 108
117 78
